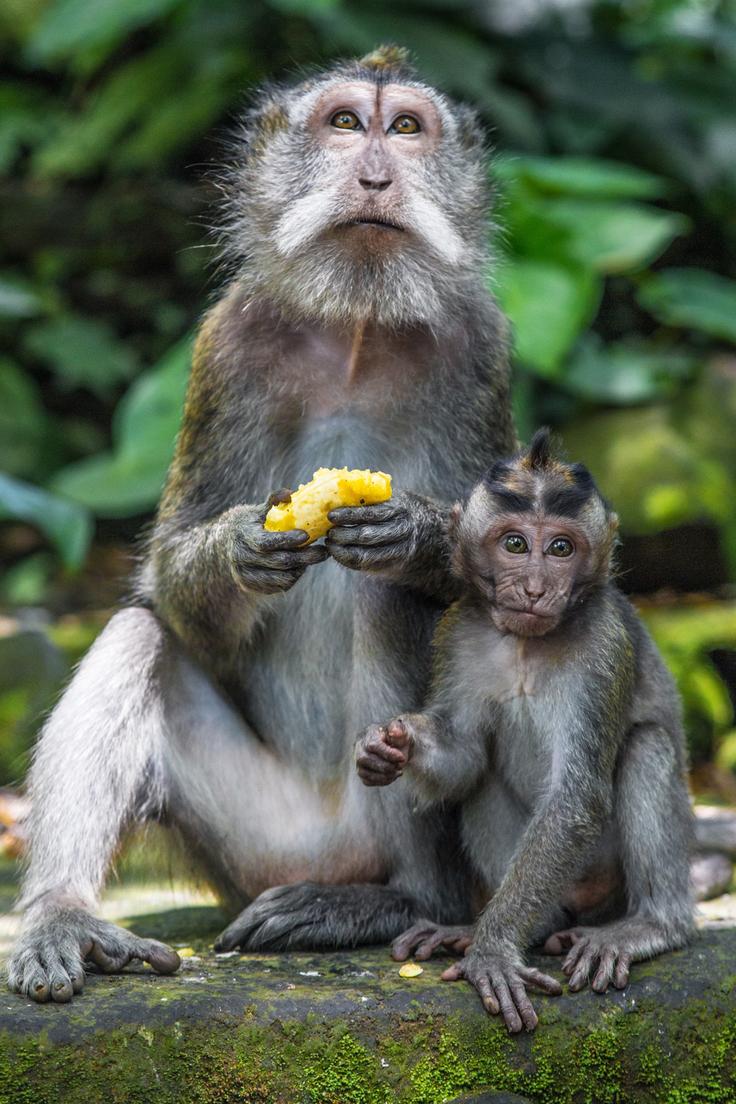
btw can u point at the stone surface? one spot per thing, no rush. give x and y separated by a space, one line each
715 828
346 1029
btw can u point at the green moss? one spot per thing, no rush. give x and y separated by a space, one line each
345 1029
678 1059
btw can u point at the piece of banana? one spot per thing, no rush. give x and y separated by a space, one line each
330 488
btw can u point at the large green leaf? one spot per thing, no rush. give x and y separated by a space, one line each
625 373
67 525
610 238
76 26
694 299
82 352
548 305
594 178
129 479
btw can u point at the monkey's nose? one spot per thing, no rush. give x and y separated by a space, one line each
533 591
374 183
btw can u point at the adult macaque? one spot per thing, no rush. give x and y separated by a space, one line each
357 331
553 720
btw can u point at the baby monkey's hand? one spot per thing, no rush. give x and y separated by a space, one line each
382 752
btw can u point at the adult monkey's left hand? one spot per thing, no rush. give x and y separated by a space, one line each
404 539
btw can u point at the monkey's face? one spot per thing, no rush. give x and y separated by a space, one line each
366 200
530 569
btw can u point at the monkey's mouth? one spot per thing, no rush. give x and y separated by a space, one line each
375 223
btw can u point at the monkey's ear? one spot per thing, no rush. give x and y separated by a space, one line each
470 129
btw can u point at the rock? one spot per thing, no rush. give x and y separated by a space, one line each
715 828
345 1028
711 874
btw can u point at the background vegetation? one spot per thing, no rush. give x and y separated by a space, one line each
614 129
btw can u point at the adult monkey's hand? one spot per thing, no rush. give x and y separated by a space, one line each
405 540
265 562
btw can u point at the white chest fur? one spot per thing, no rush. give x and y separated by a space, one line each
521 694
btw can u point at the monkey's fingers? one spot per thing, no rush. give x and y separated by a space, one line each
374 770
162 959
397 734
423 938
268 541
509 1011
367 536
282 559
540 980
108 961
367 515
574 955
560 941
621 973
583 966
604 973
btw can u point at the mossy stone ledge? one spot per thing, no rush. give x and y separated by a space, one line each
345 1028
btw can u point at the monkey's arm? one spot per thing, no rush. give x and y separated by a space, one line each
405 541
211 562
441 767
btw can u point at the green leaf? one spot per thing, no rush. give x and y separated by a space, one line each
548 306
625 373
594 178
82 352
129 479
611 238
692 298
85 141
23 421
75 26
67 525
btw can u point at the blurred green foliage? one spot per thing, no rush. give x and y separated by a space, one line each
614 130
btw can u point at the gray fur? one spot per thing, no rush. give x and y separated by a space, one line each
567 753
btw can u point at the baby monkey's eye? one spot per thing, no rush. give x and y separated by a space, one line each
406 124
515 543
345 120
561 546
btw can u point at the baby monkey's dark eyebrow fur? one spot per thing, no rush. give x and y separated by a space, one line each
511 500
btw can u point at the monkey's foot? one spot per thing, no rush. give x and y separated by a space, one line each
308 916
607 950
48 961
424 938
501 981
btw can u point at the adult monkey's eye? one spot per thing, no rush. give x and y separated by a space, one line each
345 120
406 124
561 547
515 543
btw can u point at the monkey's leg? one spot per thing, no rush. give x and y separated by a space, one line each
97 768
315 857
654 823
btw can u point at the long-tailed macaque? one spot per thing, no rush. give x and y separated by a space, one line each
553 721
357 330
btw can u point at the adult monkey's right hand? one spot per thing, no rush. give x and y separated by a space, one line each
265 562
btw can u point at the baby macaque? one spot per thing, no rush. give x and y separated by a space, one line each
555 725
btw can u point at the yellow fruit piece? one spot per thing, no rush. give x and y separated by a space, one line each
330 488
411 969
185 952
